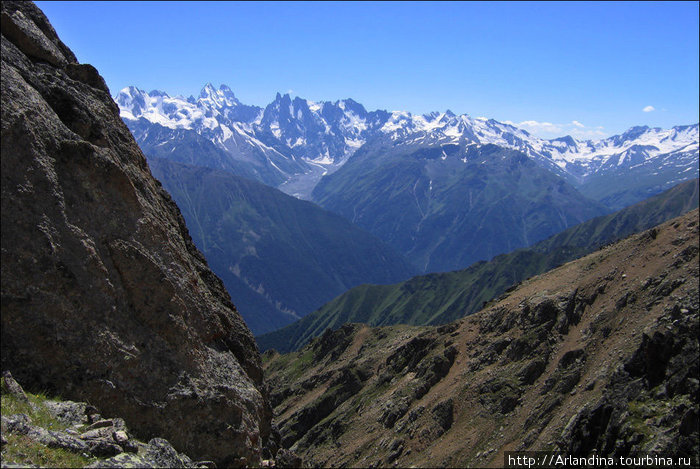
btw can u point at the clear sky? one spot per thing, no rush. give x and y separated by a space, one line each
586 69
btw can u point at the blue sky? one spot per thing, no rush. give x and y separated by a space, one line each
586 69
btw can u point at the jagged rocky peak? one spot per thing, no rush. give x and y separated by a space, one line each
635 132
567 139
352 106
105 298
223 97
208 90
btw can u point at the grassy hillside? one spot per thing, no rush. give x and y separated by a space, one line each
441 298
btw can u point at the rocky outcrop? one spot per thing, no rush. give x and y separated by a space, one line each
597 356
650 404
105 298
107 440
76 427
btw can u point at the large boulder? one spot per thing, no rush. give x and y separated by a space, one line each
105 298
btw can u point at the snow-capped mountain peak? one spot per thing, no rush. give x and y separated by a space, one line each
217 99
159 108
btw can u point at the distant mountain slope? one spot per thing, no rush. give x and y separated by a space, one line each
280 257
440 298
597 358
594 233
656 161
188 147
447 206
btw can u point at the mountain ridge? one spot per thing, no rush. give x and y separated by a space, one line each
441 298
445 207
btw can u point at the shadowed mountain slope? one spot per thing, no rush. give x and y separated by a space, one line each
447 206
279 256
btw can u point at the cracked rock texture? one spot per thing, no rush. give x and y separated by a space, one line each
104 297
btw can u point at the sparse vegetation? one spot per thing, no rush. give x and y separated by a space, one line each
21 449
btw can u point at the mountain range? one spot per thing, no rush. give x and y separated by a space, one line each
292 142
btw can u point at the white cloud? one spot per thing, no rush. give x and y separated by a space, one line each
549 130
588 134
534 126
648 109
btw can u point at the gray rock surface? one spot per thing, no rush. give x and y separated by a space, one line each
13 387
68 412
104 297
157 453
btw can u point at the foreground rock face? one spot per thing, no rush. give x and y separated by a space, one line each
104 297
599 355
